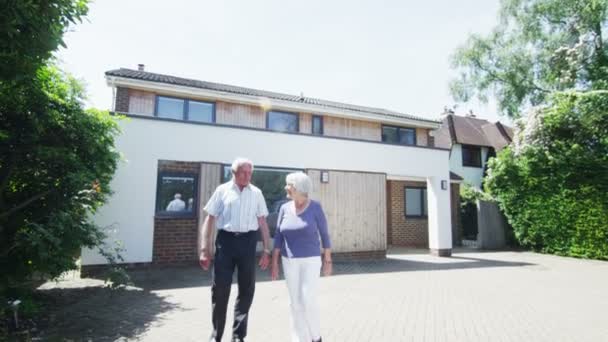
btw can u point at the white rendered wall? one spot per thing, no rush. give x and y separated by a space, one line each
472 175
130 210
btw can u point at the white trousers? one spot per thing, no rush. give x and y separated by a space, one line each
302 277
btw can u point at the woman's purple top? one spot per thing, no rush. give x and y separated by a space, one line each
298 235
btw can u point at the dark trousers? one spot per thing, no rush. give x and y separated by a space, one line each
233 251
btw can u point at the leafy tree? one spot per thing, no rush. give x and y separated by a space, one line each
56 159
552 183
30 30
538 47
56 162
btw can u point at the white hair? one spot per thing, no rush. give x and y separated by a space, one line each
300 181
238 162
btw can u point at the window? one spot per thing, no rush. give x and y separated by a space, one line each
176 194
170 108
399 135
282 121
272 183
200 111
181 109
471 156
317 125
415 202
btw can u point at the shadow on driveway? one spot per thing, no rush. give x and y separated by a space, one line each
162 278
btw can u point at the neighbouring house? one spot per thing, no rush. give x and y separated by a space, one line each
472 142
380 177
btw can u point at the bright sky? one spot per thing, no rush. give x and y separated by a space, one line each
388 54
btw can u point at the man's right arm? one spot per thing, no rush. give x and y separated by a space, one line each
207 230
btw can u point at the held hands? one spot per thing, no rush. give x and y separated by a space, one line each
264 260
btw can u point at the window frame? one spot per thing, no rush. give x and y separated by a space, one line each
195 195
399 128
187 109
312 125
185 114
422 190
469 148
297 115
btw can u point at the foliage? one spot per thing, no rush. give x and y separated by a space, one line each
56 162
538 47
469 194
30 30
553 182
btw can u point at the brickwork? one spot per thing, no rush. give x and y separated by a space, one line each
405 231
175 239
361 255
122 100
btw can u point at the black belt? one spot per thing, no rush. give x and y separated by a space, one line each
236 234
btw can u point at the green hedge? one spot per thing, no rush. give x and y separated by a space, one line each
552 183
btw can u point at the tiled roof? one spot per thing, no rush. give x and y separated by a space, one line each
472 131
167 79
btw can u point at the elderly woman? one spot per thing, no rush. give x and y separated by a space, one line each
300 223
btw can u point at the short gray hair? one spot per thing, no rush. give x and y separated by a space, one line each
300 181
238 162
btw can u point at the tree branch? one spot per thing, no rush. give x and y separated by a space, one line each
501 79
23 205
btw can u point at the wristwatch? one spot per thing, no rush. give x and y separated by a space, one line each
267 251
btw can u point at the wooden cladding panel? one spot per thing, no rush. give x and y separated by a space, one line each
240 115
355 206
422 137
355 129
141 102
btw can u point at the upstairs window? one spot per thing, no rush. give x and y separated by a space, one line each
471 156
317 125
201 111
282 121
399 135
170 108
183 109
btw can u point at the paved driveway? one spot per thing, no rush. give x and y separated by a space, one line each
411 296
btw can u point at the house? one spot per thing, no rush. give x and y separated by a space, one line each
377 172
472 142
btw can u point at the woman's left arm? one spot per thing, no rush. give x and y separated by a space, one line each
325 241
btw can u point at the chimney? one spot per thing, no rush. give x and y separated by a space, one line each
446 111
140 67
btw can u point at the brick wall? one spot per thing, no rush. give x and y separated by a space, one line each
122 100
175 239
360 255
405 231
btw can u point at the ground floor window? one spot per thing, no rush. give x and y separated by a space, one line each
415 202
176 194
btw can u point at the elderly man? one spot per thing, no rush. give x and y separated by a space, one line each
177 204
237 209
